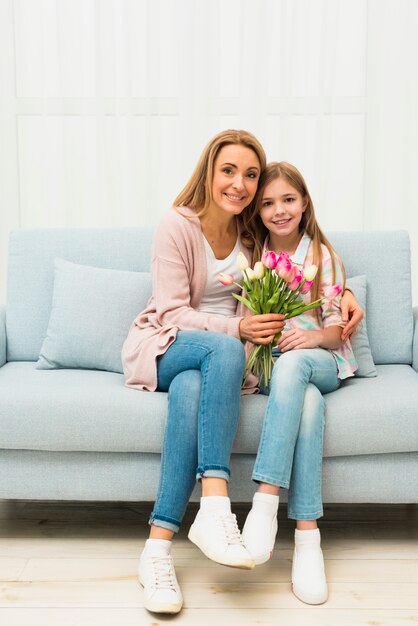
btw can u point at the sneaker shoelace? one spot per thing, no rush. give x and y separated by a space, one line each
164 577
230 526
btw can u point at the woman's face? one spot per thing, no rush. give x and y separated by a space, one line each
235 178
282 207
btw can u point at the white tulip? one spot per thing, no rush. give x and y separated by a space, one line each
310 272
259 270
242 262
249 274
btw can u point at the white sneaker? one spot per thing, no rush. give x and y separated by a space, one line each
162 593
260 528
217 535
309 583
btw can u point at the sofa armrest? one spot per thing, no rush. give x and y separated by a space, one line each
2 336
415 343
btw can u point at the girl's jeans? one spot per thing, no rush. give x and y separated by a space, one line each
202 372
290 449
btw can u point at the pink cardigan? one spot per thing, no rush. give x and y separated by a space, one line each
179 274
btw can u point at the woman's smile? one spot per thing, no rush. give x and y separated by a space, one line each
234 198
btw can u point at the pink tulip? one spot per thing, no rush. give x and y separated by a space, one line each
294 284
333 291
269 259
287 272
306 287
225 279
282 260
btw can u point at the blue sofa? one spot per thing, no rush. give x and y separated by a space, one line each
80 434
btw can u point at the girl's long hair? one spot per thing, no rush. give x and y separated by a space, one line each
308 224
197 194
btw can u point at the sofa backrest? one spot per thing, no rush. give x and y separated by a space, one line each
383 256
31 274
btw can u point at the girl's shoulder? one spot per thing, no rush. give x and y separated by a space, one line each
309 258
328 255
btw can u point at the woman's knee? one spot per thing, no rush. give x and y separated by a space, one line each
183 408
188 384
229 349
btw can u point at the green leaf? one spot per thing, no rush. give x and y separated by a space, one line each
302 308
246 302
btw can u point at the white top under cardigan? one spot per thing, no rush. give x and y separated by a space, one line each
217 299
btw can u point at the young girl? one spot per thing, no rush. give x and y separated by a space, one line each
311 360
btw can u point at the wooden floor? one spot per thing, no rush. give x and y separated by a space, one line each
75 564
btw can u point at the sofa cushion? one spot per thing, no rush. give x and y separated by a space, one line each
360 340
30 277
72 409
92 310
89 410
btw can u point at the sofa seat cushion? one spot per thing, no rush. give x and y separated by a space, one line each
88 410
74 409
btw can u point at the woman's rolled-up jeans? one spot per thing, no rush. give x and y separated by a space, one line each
202 372
290 449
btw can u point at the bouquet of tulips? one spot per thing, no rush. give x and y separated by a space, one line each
273 286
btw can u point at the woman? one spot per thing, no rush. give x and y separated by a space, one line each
188 341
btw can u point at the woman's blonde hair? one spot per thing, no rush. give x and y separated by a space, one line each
197 194
308 224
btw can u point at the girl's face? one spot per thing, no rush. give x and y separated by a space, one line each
281 208
235 178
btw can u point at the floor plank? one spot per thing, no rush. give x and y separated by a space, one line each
202 570
208 617
126 593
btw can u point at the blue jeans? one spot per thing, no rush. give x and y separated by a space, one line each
202 372
290 449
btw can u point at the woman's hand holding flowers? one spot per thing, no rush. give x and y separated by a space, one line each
261 329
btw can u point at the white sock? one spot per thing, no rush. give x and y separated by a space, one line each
265 503
221 504
158 546
307 537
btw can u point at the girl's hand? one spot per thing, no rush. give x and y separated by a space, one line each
352 313
261 328
297 338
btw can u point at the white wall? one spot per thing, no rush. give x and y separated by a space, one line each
105 105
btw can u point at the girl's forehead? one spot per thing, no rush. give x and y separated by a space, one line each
280 186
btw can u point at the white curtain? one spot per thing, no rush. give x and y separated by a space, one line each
105 105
